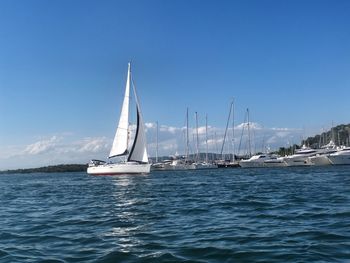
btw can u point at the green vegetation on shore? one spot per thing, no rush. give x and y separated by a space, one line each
61 168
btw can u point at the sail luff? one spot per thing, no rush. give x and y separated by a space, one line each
120 142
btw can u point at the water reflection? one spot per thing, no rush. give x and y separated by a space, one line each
127 199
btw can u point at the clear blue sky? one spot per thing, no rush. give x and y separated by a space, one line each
63 63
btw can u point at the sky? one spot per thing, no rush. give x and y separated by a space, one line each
63 69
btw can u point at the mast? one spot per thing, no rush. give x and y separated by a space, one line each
206 137
233 130
216 146
187 139
156 141
227 123
249 139
197 138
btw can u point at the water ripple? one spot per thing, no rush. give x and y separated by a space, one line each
233 215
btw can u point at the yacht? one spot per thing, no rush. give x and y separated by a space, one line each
263 160
180 164
173 165
161 166
301 157
275 161
205 165
321 158
340 157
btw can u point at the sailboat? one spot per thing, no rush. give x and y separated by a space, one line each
134 158
201 165
175 164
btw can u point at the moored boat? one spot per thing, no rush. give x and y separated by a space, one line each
300 157
340 157
263 160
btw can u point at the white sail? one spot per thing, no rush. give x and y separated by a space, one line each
138 151
120 143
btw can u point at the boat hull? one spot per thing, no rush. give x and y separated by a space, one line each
119 168
297 161
274 164
203 166
247 164
339 159
320 160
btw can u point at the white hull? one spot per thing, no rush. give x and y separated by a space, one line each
275 164
297 161
247 164
119 168
173 167
202 166
183 167
262 160
320 160
262 164
339 159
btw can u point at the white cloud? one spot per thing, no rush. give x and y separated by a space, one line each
65 148
201 130
252 125
150 125
93 145
170 129
42 146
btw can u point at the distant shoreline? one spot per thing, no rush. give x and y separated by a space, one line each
61 168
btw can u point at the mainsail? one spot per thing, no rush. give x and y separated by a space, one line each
120 143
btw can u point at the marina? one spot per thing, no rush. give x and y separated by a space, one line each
174 131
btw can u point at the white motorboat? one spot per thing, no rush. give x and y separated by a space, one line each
205 165
300 157
135 158
161 166
321 158
275 161
173 165
262 160
340 157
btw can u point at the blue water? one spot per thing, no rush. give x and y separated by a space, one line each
225 215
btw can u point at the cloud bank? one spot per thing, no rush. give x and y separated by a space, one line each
64 148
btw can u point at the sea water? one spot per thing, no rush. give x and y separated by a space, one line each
225 215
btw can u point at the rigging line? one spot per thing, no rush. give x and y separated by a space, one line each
227 123
240 141
134 89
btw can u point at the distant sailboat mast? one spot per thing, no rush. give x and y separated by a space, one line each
206 137
233 130
156 141
249 139
197 138
227 125
187 139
